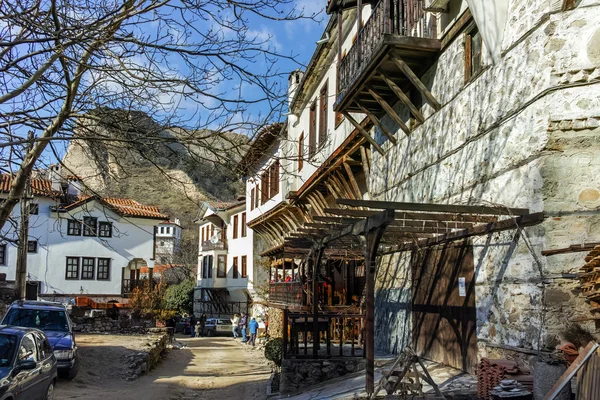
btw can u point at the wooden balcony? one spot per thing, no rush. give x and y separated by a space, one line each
287 293
207 245
396 45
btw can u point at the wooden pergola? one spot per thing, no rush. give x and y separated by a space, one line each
373 228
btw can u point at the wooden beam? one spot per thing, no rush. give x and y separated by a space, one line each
571 249
389 110
337 220
382 218
504 225
364 133
486 210
403 97
352 179
377 122
421 216
414 79
365 165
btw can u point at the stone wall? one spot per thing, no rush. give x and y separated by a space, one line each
107 325
144 361
298 374
275 322
525 134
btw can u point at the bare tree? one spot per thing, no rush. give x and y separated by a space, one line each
66 66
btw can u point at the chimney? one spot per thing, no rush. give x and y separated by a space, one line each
177 221
293 83
75 187
55 177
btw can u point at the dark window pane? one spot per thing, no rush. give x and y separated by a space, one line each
32 246
74 228
90 226
103 269
87 268
2 254
105 229
72 268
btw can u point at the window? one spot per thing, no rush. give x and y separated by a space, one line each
162 243
168 230
312 130
256 199
34 209
90 226
210 266
87 268
235 268
162 230
323 114
252 199
301 152
105 229
339 117
264 186
473 51
204 267
27 351
274 184
244 231
103 269
74 228
2 254
43 346
212 230
235 226
32 246
244 266
221 263
72 268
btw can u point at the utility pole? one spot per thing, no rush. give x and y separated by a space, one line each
21 272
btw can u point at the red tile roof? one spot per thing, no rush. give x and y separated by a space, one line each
39 187
123 206
225 205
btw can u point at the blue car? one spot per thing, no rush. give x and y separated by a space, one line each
27 365
53 320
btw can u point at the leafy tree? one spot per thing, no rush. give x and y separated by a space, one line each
180 297
149 302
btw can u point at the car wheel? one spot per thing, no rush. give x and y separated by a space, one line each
50 392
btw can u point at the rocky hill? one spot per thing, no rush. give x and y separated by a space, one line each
129 155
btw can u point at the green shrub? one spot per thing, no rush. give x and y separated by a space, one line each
274 351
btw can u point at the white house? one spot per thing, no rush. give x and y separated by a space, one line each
79 244
168 241
226 268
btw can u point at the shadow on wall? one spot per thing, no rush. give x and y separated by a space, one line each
393 304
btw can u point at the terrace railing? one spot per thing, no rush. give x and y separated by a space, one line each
291 293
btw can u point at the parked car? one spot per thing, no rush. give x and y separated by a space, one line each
218 326
53 320
183 325
27 364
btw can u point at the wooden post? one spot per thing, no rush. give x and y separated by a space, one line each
358 28
315 287
285 332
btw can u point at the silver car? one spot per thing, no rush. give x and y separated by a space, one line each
218 326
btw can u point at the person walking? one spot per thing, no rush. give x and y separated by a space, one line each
202 323
243 324
193 326
253 326
234 325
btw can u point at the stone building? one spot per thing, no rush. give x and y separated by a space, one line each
168 241
459 140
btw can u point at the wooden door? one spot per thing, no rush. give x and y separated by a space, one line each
443 309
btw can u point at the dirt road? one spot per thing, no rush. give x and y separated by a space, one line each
209 368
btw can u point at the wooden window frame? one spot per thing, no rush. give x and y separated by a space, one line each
73 227
235 272
243 227
274 179
301 152
252 199
84 274
209 264
212 231
323 113
3 254
90 228
222 262
103 232
235 226
472 71
264 186
244 266
34 209
78 264
32 246
312 130
103 276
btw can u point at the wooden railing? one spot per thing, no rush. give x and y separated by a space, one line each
130 284
207 245
397 17
339 336
291 293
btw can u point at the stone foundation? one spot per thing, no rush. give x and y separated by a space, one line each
107 325
298 374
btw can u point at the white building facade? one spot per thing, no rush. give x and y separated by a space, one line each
93 247
168 241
